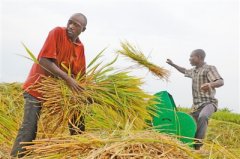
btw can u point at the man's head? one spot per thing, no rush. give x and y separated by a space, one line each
197 57
76 24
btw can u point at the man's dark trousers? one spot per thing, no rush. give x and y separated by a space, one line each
28 130
201 117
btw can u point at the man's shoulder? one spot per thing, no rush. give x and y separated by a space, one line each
206 66
58 29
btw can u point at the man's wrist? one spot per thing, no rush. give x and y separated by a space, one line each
65 77
211 85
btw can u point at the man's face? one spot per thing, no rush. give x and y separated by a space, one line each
194 59
74 28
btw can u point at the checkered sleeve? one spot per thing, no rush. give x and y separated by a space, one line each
188 73
213 74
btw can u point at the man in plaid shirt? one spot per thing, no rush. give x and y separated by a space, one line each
205 78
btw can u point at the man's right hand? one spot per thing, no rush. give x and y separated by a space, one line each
72 83
50 66
180 69
169 62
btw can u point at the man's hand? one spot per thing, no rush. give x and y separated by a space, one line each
50 66
206 87
180 69
72 83
169 62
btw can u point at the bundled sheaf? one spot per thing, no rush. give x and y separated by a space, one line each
106 103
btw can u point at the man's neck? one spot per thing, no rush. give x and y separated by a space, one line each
73 39
200 64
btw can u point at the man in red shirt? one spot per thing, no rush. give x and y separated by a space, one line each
62 47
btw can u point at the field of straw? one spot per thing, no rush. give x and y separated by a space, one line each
115 109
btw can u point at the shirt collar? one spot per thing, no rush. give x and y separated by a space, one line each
204 64
197 69
77 42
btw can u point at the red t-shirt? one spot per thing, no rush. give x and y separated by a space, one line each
59 47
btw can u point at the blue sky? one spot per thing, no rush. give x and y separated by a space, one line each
161 28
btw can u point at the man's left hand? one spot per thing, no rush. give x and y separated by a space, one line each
206 87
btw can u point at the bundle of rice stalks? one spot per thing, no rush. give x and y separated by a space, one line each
109 100
137 56
111 107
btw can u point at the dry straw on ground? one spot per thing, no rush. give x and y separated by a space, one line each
118 145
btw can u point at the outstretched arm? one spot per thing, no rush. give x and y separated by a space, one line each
180 69
50 66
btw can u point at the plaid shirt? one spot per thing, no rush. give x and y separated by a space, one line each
204 74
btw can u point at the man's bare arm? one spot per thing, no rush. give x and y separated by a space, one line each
208 86
50 66
180 69
217 83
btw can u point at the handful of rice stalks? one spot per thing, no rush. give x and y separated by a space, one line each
137 56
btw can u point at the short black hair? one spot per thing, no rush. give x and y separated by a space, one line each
80 14
200 52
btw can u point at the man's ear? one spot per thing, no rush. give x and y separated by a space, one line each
83 29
